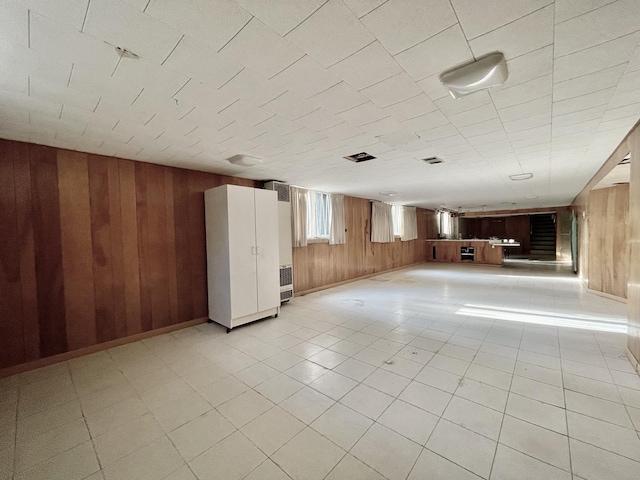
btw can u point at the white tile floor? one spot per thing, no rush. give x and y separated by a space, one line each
439 371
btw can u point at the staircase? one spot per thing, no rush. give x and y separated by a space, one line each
543 237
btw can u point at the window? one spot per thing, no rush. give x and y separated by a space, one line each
396 213
318 214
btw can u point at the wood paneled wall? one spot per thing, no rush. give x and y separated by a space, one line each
517 227
608 240
319 265
630 144
95 248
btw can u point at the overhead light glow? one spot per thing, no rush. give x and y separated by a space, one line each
487 72
244 160
521 176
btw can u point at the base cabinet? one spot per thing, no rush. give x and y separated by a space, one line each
242 254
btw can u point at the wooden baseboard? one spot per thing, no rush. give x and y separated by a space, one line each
355 279
607 295
63 357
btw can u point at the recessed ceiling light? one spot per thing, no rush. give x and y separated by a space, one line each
521 176
359 157
244 160
487 72
432 160
531 197
388 194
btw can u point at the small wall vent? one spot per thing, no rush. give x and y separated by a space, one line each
359 157
432 160
281 188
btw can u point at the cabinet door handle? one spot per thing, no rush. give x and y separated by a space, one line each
253 250
257 250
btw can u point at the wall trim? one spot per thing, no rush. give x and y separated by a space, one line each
355 279
607 295
63 357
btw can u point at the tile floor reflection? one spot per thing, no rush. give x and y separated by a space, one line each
438 371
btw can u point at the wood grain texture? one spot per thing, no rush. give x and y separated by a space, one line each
517 227
321 264
450 251
98 249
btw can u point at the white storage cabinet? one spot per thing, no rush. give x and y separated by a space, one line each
242 254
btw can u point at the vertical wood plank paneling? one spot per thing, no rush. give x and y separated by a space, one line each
143 246
48 248
101 242
131 267
117 252
77 257
26 247
157 245
182 239
172 277
196 183
11 333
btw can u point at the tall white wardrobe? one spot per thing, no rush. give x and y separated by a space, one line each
242 254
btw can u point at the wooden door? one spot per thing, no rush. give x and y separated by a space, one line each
268 258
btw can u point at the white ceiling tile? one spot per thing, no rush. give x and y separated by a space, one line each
588 83
370 65
524 35
481 16
290 106
524 92
382 126
476 115
401 24
341 34
319 120
261 49
197 93
620 99
70 12
578 117
338 98
124 26
425 122
530 65
286 17
252 87
449 105
53 40
194 59
539 106
213 22
439 53
86 80
531 133
393 90
527 123
485 138
411 107
362 7
581 102
433 87
482 128
151 76
566 9
43 89
245 112
306 77
365 113
600 57
437 133
607 23
589 125
629 81
622 112
164 106
14 24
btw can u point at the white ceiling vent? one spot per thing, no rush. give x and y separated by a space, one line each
359 157
432 160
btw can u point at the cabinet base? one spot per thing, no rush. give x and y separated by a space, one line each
236 322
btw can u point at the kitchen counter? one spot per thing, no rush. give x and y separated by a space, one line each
477 251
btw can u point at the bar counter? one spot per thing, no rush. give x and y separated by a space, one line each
479 252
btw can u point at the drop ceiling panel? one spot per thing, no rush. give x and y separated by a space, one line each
586 84
365 67
399 25
411 107
524 35
306 77
597 26
392 90
124 26
524 92
440 52
338 98
342 34
258 47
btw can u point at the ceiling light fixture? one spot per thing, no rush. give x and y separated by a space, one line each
244 160
489 71
531 197
521 176
124 53
388 194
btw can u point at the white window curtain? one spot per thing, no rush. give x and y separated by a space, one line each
409 224
336 221
381 222
299 216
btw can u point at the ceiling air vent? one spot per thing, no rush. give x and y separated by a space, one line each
360 157
432 160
